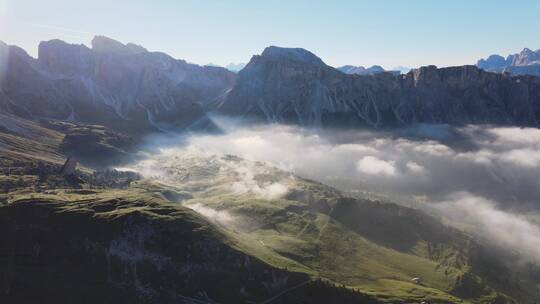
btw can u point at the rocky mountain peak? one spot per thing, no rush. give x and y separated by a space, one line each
61 57
297 55
492 62
107 45
109 86
6 49
376 68
526 57
526 62
315 95
235 67
360 70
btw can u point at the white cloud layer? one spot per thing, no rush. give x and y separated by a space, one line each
496 163
505 229
374 166
248 184
488 167
223 218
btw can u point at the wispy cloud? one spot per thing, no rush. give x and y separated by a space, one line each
486 220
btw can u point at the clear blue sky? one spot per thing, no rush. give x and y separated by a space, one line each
359 32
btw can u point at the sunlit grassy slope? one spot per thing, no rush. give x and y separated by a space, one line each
367 245
81 246
23 140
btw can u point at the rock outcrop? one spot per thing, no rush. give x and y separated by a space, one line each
295 86
120 86
495 63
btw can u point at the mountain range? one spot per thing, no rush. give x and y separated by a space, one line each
115 85
296 86
526 62
121 86
360 70
235 67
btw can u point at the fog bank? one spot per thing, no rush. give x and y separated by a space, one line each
478 177
500 228
500 164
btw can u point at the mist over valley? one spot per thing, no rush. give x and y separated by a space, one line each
128 175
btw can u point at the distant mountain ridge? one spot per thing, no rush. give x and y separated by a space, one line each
235 67
360 70
526 62
295 86
130 89
122 86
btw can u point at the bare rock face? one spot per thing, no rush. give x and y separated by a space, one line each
526 57
279 87
494 63
120 86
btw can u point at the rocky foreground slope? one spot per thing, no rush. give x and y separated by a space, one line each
124 87
295 86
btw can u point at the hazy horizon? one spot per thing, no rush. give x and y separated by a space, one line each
386 33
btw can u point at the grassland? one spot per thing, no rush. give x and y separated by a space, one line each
365 245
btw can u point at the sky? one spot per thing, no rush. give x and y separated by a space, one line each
390 33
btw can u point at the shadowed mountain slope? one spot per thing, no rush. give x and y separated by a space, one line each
295 86
124 87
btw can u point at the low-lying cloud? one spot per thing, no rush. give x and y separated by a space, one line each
500 228
501 164
374 166
219 217
473 174
248 184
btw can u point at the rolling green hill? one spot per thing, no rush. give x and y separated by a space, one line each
371 246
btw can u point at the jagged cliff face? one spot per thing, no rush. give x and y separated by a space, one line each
131 89
121 86
295 86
